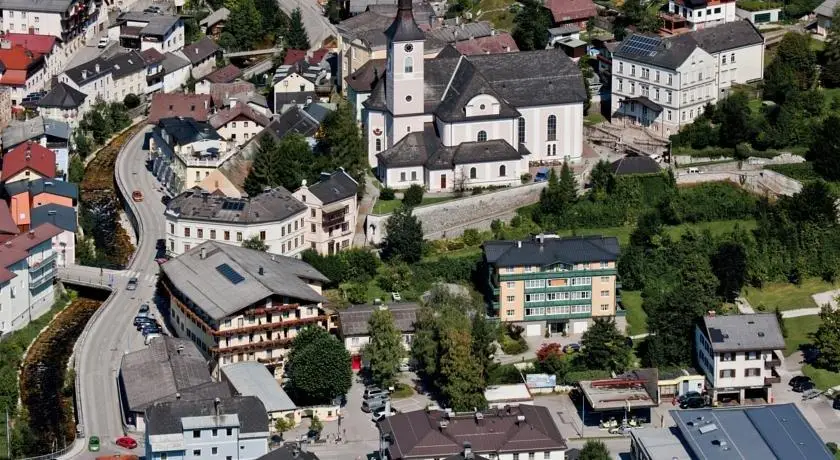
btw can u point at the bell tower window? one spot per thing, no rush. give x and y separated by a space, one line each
408 65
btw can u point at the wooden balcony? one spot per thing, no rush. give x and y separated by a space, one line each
272 309
272 326
255 346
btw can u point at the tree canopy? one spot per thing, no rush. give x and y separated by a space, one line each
318 367
604 347
285 164
296 37
404 238
530 26
385 351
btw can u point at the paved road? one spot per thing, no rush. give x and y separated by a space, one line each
112 334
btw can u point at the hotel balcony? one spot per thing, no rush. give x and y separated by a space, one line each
272 326
774 362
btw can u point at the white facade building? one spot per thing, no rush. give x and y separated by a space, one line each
141 31
185 152
332 211
275 217
703 13
664 83
107 79
739 354
64 19
239 123
235 427
457 122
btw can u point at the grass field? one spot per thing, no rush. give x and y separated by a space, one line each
787 296
822 378
799 332
623 233
389 206
497 12
636 316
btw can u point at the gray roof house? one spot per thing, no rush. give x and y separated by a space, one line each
185 130
169 369
62 96
39 186
215 17
289 453
203 49
63 217
730 333
275 205
354 320
334 186
251 378
635 164
42 6
545 250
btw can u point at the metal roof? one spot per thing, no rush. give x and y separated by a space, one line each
63 217
199 280
551 250
46 6
354 320
251 378
753 332
334 186
741 433
246 412
275 205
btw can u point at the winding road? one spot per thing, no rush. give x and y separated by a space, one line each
112 334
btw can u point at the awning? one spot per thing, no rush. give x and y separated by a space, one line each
645 102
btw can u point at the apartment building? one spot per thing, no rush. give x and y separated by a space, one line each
739 355
331 218
664 83
223 428
514 433
202 55
27 162
553 283
47 132
63 217
62 102
274 216
240 304
689 15
108 79
27 273
239 123
64 19
141 31
185 151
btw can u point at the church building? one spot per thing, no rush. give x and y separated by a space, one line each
457 122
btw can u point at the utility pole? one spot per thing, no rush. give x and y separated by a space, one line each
8 436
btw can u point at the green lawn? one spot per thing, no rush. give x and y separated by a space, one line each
623 233
389 206
636 316
824 379
787 296
799 332
593 118
497 12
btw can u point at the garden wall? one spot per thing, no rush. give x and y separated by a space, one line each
450 218
761 182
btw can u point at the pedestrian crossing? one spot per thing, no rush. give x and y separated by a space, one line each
141 277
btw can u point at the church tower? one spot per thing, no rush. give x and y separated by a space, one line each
404 79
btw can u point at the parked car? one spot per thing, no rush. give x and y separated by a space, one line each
379 414
693 403
140 321
165 199
804 386
405 367
144 308
93 444
811 393
373 405
132 284
798 380
542 175
137 195
103 42
376 395
689 395
571 348
126 442
151 329
371 390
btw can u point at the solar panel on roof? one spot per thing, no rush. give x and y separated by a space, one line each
233 205
639 44
228 272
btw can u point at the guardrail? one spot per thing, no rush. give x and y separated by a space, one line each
53 455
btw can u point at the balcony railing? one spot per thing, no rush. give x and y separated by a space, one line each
566 274
37 265
272 326
255 346
46 276
772 380
334 218
558 316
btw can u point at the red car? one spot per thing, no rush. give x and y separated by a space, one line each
126 442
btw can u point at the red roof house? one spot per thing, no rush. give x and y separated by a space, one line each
499 43
571 11
318 55
17 248
293 56
28 161
20 64
196 106
36 43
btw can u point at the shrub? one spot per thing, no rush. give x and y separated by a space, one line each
413 196
131 101
832 447
525 178
504 374
356 293
387 194
471 237
514 347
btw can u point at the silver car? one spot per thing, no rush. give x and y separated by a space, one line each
132 284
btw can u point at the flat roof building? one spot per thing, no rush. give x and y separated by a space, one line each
253 379
635 389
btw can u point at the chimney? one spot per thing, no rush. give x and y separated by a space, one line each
540 238
261 271
325 175
217 404
519 244
468 452
180 349
203 253
233 102
711 313
5 44
303 183
507 49
32 233
96 68
177 396
520 419
205 105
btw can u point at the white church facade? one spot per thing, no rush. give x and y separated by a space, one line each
456 121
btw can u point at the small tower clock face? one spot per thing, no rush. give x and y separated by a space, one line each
409 48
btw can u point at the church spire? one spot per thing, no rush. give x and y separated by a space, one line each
404 28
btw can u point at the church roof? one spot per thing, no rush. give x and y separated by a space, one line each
404 28
523 79
467 82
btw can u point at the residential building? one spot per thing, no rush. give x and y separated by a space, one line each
301 83
24 196
241 304
571 12
64 19
55 55
140 31
251 378
28 161
331 218
360 84
234 427
176 71
227 74
63 217
47 132
771 13
690 15
239 123
27 274
154 70
777 431
129 75
108 79
824 14
289 453
23 71
175 105
562 33
520 432
553 283
355 328
498 42
739 355
274 216
214 23
202 56
217 182
62 102
664 83
180 373
460 122
184 151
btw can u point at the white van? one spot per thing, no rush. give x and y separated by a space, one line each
693 171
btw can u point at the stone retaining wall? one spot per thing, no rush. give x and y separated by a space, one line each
450 218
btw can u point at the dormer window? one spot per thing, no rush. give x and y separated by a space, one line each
408 65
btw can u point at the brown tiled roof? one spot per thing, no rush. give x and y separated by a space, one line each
200 50
431 434
221 93
571 10
500 43
195 106
152 56
7 224
17 249
222 117
226 74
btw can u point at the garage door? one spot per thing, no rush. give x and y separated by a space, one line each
762 17
533 330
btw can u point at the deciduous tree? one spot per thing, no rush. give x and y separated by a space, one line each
604 347
318 367
827 339
825 150
461 379
483 342
340 143
730 266
245 24
256 243
595 450
385 351
404 238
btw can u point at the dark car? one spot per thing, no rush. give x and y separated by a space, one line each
693 403
571 348
798 380
165 199
689 395
144 308
836 403
804 386
141 320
